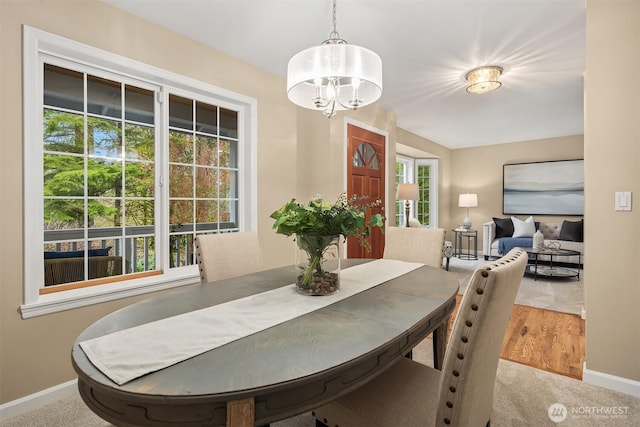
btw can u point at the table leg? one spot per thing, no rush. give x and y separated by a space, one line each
440 335
241 413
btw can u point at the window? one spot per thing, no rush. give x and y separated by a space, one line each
124 165
427 204
404 174
424 172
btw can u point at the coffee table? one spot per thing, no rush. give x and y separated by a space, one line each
551 270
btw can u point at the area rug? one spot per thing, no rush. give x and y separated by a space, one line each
564 295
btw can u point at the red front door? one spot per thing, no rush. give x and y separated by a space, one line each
366 177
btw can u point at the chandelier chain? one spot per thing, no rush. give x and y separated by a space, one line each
334 34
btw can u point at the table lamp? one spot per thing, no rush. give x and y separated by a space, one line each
467 201
407 192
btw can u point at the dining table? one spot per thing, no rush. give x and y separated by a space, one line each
271 373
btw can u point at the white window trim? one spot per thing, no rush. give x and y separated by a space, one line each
37 43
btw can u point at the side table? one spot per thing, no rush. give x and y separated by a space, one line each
472 238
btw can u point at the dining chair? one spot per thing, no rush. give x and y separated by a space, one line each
413 394
412 244
225 255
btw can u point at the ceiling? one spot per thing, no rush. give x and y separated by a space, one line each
426 47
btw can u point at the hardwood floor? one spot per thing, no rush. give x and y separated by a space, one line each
544 339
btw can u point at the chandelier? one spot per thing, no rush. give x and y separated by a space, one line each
483 79
334 76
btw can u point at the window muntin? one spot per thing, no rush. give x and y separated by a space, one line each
99 174
94 188
203 189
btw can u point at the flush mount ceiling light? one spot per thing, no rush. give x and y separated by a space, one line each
483 79
334 76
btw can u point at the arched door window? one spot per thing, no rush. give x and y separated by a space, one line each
366 157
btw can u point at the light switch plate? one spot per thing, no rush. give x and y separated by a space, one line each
623 201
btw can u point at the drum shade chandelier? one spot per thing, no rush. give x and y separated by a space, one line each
483 79
334 76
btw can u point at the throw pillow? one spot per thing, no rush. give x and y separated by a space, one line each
572 231
77 254
504 227
525 228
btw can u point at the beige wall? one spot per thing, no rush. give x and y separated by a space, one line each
479 170
612 163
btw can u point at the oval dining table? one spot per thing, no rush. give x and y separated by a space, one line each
277 373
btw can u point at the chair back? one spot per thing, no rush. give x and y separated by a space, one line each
414 244
225 255
471 358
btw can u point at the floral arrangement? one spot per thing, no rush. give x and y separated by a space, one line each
345 217
315 223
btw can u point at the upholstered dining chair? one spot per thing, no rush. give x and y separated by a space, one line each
412 394
415 245
225 255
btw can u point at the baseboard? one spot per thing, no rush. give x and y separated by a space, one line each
611 382
37 400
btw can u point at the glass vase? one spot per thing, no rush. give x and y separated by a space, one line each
318 264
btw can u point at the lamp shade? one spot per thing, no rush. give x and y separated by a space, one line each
468 200
352 75
408 192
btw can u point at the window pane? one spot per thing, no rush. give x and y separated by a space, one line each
138 105
63 214
139 142
104 178
207 151
228 123
228 214
105 137
180 147
228 184
180 181
228 153
104 97
181 247
206 214
206 182
63 175
140 254
206 120
63 88
104 213
180 112
63 132
139 179
139 212
180 213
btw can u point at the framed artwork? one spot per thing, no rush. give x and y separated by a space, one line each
543 188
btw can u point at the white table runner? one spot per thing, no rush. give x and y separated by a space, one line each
134 352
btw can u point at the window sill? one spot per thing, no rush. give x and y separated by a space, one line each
69 300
